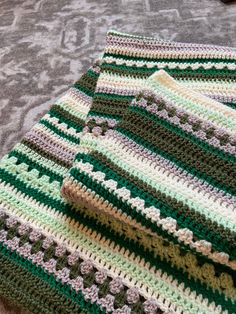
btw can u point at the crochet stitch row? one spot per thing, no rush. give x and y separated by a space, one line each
129 60
140 176
58 258
146 172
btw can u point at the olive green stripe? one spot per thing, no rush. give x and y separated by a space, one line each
193 284
108 96
66 117
177 130
180 149
109 105
65 208
24 289
20 297
104 105
56 291
68 210
87 83
45 153
222 239
169 60
109 111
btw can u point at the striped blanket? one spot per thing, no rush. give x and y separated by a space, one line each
122 198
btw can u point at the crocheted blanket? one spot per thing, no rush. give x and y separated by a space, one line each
148 163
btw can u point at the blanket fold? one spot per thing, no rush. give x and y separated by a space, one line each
162 170
146 162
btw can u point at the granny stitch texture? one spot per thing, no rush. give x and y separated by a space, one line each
57 258
162 172
129 60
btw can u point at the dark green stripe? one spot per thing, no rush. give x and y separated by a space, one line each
222 239
59 132
170 269
184 60
231 105
70 211
66 117
22 158
201 74
174 148
177 130
84 89
58 296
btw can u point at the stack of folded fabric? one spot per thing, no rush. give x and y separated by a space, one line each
122 199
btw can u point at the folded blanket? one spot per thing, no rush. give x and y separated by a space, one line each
129 60
168 170
55 258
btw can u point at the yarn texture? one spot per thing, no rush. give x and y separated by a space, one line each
121 199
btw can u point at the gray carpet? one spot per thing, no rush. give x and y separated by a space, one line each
46 45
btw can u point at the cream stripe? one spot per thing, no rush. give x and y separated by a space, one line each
123 85
165 80
72 186
124 194
158 177
62 127
114 84
55 139
51 165
170 65
132 271
159 53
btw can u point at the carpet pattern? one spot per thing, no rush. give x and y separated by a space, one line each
45 46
